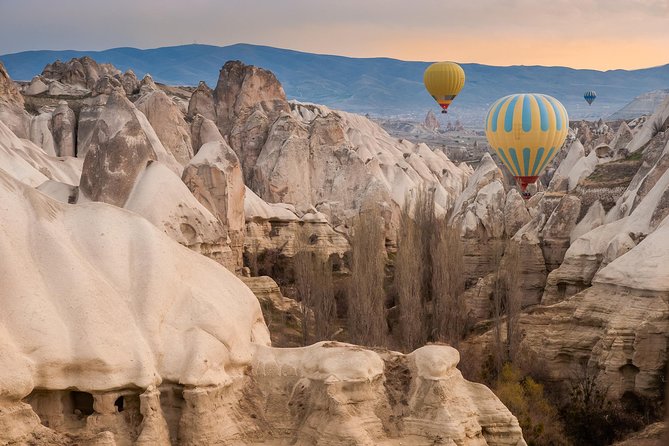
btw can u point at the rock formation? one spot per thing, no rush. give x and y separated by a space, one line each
12 113
117 149
168 123
192 363
83 72
431 122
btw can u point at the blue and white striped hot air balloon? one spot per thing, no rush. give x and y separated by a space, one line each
590 96
526 131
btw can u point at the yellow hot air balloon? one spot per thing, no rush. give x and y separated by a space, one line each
526 131
444 80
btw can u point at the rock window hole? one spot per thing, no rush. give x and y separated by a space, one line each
119 404
82 403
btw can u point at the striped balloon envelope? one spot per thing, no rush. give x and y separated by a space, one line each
590 96
526 131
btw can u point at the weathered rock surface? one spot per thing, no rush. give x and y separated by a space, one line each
310 156
63 125
162 198
117 149
202 102
83 72
12 113
192 364
168 123
214 177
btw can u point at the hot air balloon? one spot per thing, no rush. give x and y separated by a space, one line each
590 96
526 131
444 80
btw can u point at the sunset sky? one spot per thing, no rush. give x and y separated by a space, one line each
599 34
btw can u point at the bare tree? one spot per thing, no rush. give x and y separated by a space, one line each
507 302
409 281
315 290
448 284
366 297
510 265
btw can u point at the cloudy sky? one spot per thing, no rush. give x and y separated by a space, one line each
599 34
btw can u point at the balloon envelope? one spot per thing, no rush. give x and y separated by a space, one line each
444 80
526 131
590 96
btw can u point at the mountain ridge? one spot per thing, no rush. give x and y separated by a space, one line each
379 86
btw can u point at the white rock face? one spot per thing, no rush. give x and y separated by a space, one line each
27 163
163 199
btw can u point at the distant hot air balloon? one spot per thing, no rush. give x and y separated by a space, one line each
590 96
526 131
444 80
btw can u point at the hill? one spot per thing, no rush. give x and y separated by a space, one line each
379 86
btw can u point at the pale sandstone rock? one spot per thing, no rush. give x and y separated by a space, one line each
117 150
163 199
130 82
557 230
28 163
83 72
106 85
12 113
63 123
168 123
202 131
202 102
36 87
40 132
214 177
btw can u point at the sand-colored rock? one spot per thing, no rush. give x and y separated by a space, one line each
168 123
202 102
117 149
63 124
83 72
162 198
214 177
12 113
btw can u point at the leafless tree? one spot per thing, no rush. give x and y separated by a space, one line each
366 296
448 284
409 281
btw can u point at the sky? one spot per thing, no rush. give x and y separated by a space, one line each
598 34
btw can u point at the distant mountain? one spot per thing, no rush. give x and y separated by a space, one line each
379 86
644 104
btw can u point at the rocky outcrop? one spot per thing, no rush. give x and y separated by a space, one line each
431 122
214 177
274 232
118 148
248 99
192 364
202 102
28 163
479 213
83 72
168 123
162 198
63 128
12 113
130 83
